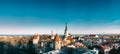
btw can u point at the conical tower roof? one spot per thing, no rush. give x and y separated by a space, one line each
66 31
66 28
57 38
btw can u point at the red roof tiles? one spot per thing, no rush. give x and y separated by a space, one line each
35 37
57 38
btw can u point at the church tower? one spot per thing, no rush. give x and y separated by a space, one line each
66 32
36 39
52 35
57 42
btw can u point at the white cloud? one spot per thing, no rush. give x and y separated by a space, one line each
116 22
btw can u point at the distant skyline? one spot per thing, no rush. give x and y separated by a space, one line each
42 16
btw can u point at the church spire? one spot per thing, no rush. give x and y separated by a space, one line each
66 31
52 35
66 28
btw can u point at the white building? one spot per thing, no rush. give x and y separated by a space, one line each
36 39
55 52
106 51
52 35
94 51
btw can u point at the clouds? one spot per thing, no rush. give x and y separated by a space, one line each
116 22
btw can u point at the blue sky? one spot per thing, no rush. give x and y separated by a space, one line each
42 16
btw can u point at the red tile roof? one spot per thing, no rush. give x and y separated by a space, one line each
57 38
35 36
